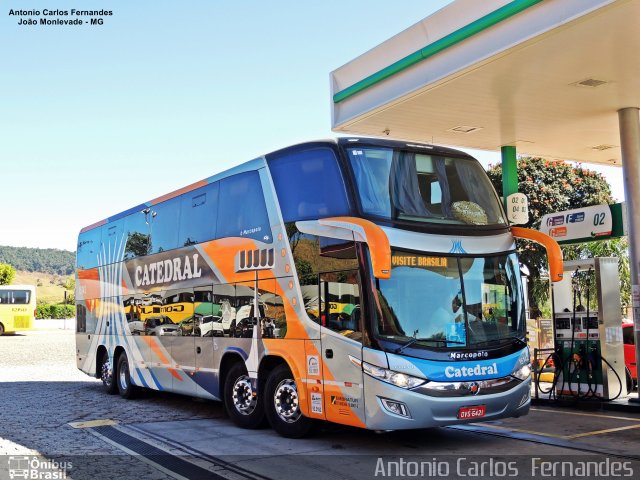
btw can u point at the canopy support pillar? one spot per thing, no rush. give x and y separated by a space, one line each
509 172
629 121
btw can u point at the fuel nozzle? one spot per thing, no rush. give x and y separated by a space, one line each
593 359
577 359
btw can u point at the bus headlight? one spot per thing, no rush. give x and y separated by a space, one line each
522 369
398 379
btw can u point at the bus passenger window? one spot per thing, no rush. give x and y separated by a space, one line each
198 211
165 217
111 237
242 211
274 321
245 297
88 248
309 184
224 311
202 313
177 313
136 227
340 303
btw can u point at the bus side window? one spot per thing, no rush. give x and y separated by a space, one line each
309 184
273 320
88 248
245 299
202 312
165 218
341 304
242 211
136 227
112 236
224 310
198 212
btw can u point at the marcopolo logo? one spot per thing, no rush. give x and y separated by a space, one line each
37 468
169 270
476 371
468 355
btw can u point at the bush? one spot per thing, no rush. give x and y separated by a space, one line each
7 274
52 310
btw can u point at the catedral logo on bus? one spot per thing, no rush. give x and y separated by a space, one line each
478 370
169 270
418 261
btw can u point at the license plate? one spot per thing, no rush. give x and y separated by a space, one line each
476 411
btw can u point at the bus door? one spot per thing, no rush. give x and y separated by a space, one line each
341 338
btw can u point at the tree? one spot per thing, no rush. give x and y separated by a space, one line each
554 186
137 244
7 274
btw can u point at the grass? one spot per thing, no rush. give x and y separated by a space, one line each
48 288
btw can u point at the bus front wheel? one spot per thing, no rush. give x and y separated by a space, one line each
1 329
282 404
106 375
125 387
241 400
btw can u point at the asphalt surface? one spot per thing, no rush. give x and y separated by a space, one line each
42 392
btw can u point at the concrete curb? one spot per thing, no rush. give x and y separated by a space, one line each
56 323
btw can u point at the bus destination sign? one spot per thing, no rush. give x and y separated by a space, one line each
418 261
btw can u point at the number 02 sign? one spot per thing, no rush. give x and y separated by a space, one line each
582 223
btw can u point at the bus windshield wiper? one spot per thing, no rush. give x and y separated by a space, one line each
517 340
427 339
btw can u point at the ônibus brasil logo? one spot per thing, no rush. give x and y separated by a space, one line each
32 467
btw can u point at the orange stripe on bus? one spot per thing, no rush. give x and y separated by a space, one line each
156 349
93 225
180 191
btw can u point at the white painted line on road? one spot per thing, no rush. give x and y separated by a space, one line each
565 412
93 423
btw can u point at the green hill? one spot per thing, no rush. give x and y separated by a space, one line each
47 260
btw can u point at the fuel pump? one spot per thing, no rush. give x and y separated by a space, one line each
589 353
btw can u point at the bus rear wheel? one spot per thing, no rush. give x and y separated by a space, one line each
241 400
282 405
106 375
1 329
125 387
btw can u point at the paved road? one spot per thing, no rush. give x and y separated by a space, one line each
41 392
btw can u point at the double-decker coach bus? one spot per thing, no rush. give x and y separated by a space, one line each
418 319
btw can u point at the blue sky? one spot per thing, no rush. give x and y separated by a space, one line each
94 120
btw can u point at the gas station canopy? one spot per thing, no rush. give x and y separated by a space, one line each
546 77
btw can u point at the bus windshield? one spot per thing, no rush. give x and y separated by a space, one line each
440 301
405 185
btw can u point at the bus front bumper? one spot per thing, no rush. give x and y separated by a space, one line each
424 411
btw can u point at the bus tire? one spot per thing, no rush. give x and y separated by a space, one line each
241 402
107 375
1 329
282 407
125 387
